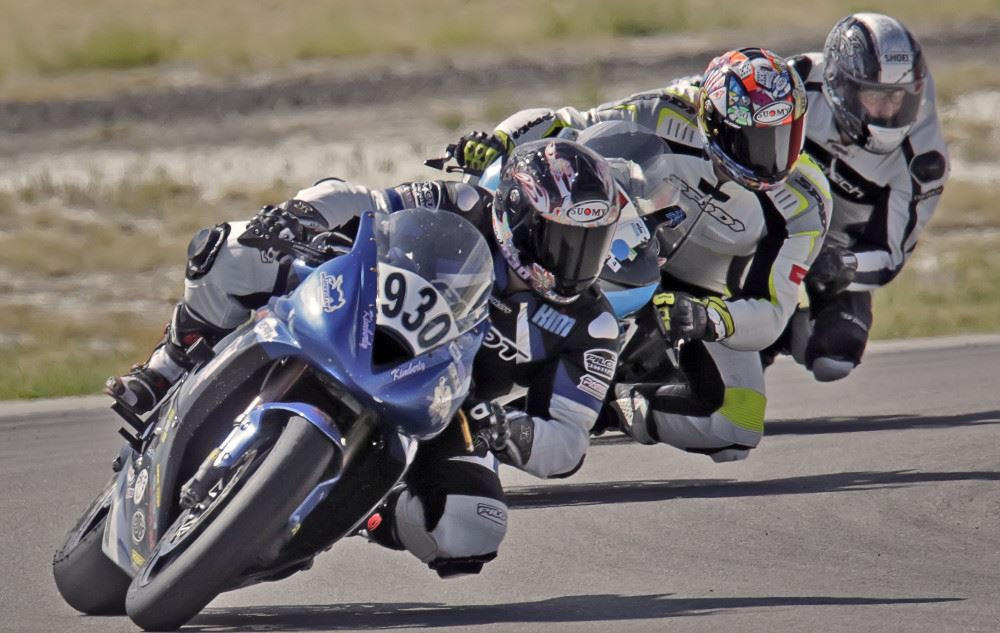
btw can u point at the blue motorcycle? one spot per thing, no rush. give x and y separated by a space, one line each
292 429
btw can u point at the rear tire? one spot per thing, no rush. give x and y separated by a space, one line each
87 579
172 588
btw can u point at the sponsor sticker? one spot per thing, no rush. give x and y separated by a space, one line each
928 194
774 112
588 212
265 330
367 331
500 305
408 370
333 293
492 513
440 407
141 484
593 387
550 320
138 525
600 362
896 58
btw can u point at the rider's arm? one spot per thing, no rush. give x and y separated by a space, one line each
339 201
762 306
892 232
668 111
563 401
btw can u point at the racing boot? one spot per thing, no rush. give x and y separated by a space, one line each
145 385
631 408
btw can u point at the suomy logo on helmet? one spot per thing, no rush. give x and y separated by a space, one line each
587 212
774 112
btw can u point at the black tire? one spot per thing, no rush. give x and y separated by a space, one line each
87 579
169 591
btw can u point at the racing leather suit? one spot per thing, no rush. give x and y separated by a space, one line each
881 204
751 248
452 513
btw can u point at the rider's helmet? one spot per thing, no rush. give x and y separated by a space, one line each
554 215
752 108
874 80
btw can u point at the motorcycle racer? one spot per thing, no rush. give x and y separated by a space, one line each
874 130
755 211
553 337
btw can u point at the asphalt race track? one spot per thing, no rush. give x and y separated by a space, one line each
873 504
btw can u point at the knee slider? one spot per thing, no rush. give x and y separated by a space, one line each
827 369
204 248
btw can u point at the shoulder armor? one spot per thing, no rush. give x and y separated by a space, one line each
805 195
929 166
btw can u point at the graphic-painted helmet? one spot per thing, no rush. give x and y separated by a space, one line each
752 108
873 79
554 215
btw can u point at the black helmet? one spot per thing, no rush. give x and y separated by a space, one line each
873 79
752 109
554 215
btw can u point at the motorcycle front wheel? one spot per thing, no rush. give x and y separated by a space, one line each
206 548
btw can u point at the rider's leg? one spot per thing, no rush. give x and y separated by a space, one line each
223 282
839 335
719 412
452 513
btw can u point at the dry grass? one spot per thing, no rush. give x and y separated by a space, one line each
964 78
966 205
61 37
69 353
948 287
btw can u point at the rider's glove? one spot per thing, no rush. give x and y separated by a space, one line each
277 223
833 270
685 317
475 151
294 220
491 424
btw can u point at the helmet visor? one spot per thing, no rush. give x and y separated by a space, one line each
574 254
884 105
763 154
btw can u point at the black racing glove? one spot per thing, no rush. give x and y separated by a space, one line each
275 223
475 151
833 270
490 424
685 317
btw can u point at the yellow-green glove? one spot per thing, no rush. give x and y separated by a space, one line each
686 317
475 151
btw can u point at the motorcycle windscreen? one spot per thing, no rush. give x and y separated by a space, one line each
435 275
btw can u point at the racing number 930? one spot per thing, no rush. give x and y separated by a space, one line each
428 333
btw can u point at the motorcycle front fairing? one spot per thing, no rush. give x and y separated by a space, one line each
329 322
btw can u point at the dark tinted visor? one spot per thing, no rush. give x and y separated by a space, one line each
574 254
890 106
766 153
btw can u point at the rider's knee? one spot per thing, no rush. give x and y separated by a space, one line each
465 536
204 248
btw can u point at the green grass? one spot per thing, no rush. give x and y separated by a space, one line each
109 47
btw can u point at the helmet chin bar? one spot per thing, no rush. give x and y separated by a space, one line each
882 140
